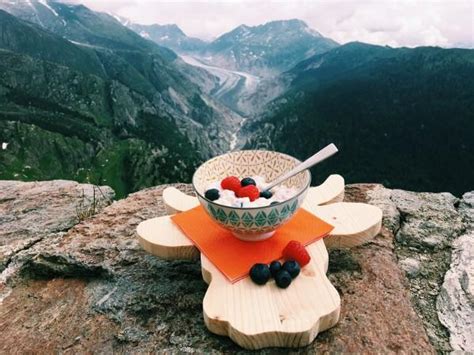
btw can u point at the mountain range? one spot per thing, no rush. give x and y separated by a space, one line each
268 49
400 116
94 97
263 50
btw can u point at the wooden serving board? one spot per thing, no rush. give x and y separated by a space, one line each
263 316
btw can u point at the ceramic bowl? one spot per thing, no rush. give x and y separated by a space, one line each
251 223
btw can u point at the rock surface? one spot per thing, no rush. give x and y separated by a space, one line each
426 226
31 211
466 207
93 289
430 220
411 266
456 299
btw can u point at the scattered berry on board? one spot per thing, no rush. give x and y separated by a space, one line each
266 194
250 191
275 266
296 251
283 279
292 267
231 183
248 181
260 274
212 194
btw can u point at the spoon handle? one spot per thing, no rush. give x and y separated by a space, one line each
323 154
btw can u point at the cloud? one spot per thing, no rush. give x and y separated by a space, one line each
393 22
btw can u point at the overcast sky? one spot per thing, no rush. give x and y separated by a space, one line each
394 22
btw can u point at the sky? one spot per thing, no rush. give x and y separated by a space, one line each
445 23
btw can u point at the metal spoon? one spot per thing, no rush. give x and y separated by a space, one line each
317 158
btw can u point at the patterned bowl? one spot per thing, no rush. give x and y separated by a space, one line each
251 223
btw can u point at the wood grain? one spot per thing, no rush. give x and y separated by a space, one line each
176 201
354 223
330 191
161 237
262 316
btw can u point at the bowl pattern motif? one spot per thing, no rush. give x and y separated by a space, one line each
250 223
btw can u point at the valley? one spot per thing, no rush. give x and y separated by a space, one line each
232 88
232 84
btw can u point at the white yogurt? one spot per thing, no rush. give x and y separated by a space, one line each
228 198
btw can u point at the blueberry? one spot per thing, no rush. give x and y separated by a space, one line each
292 267
212 194
247 181
283 279
266 194
274 203
260 274
275 266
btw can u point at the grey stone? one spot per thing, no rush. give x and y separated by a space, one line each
31 211
428 220
381 197
466 208
411 266
456 300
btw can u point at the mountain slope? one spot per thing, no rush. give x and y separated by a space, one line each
137 62
402 117
26 38
58 122
132 117
267 49
80 24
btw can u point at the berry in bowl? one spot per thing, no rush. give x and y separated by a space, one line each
231 188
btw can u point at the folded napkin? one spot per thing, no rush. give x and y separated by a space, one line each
234 257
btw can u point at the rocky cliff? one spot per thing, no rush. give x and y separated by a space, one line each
74 278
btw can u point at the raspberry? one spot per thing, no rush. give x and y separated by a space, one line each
250 191
294 250
231 183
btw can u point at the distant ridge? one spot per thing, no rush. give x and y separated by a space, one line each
262 50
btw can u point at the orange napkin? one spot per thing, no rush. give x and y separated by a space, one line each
234 257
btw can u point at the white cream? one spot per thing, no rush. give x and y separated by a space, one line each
228 198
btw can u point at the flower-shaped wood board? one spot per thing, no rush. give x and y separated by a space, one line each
264 316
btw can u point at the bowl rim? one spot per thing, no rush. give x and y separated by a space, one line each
257 207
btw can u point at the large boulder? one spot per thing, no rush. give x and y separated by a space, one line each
93 289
